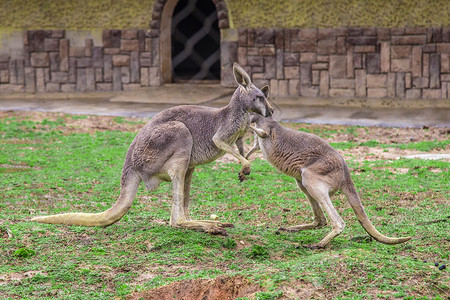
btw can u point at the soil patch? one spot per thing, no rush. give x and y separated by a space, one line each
202 289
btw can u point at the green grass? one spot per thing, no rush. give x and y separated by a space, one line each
45 169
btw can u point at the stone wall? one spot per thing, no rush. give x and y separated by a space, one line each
349 62
341 62
126 60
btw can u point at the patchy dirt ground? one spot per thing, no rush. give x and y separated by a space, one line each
239 286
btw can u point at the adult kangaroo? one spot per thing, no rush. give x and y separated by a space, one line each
319 170
171 145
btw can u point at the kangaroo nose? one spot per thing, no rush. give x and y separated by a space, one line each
270 110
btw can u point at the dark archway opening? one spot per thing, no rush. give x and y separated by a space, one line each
195 41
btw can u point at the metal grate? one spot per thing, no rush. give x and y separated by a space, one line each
195 41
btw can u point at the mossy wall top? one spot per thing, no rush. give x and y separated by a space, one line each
101 14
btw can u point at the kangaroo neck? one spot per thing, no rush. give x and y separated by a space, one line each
236 108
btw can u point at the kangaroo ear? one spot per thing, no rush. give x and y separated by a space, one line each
241 76
265 91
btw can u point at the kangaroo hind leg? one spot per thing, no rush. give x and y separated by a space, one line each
319 189
319 217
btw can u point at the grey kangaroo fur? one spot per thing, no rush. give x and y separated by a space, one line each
171 145
320 171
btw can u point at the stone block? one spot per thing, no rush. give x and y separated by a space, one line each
431 93
77 51
51 45
4 76
59 77
341 45
307 34
364 49
360 83
304 46
413 94
97 57
445 63
54 61
385 57
129 34
117 79
416 60
287 39
68 87
435 71
326 47
415 30
445 77
40 59
292 72
306 74
283 88
104 86
324 85
376 93
36 39
40 80
52 87
129 45
121 60
111 38
144 76
291 59
376 80
242 57
30 80
294 87
107 68
443 48
64 55
403 51
357 61
84 62
342 93
391 84
315 77
279 38
426 65
400 85
81 80
420 82
254 51
90 79
320 66
409 40
111 51
88 48
273 84
384 34
408 80
98 74
401 65
309 91
242 37
72 70
268 50
308 57
350 64
57 33
264 36
429 48
280 64
342 83
255 61
125 75
373 63
134 67
362 40
155 76
338 66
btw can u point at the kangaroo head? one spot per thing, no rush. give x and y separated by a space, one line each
253 99
262 126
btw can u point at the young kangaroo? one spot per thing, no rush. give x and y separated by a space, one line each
319 170
171 145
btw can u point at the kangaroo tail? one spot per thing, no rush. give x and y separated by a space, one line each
355 202
129 186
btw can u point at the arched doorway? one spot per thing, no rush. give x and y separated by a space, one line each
161 29
195 41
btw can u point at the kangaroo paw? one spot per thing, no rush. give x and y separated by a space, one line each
216 230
